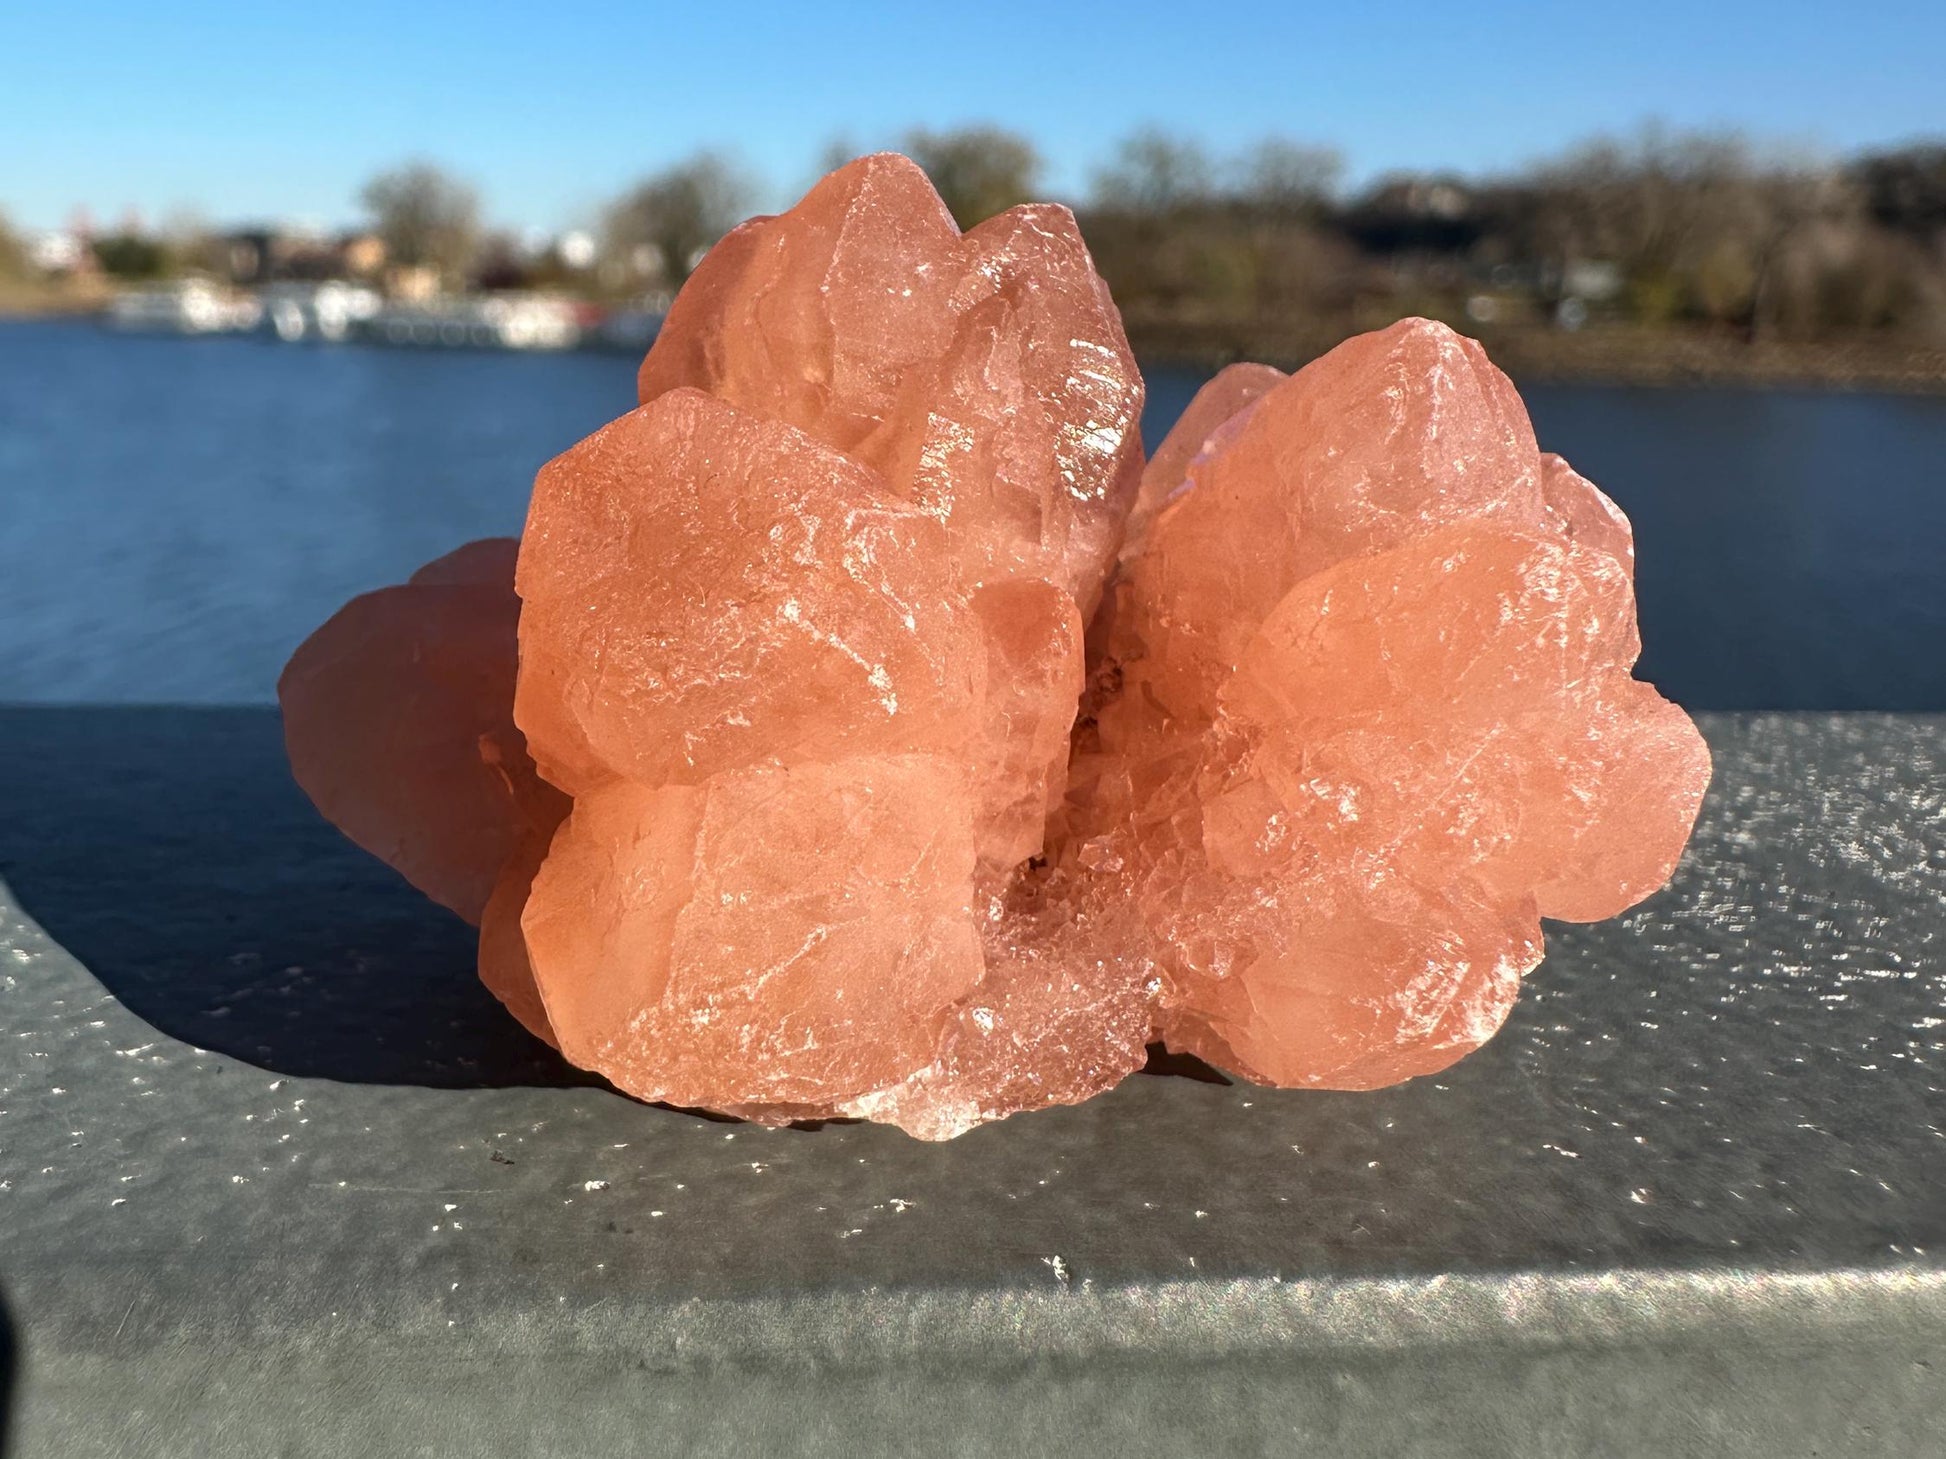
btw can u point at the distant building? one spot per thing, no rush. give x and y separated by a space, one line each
1596 280
577 248
266 253
1421 197
59 251
363 254
412 283
1415 215
272 253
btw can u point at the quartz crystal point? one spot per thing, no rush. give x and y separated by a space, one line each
787 809
1225 397
802 636
984 376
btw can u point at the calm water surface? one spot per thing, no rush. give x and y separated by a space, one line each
175 515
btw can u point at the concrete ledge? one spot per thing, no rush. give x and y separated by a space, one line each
277 1176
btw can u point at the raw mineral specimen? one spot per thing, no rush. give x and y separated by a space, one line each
802 636
1373 717
398 717
884 742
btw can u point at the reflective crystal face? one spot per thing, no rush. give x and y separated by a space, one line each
1375 716
787 809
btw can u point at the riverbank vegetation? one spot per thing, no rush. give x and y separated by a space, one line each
1664 255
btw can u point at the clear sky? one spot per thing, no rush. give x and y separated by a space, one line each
274 110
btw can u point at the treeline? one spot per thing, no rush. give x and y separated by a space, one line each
1705 232
1268 251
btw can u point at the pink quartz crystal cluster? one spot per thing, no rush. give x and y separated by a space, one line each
858 729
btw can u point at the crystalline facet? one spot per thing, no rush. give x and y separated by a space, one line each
886 743
398 718
802 635
1375 719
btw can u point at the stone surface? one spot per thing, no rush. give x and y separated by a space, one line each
278 1177
812 826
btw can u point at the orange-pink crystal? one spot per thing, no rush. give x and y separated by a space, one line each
1374 718
890 745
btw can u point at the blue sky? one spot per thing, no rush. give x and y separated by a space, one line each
266 110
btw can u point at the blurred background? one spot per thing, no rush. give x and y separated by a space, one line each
292 301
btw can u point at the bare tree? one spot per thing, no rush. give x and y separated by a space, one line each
1905 188
1290 179
664 224
1155 173
427 219
1792 204
1700 224
979 171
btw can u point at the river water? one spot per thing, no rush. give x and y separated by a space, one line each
175 514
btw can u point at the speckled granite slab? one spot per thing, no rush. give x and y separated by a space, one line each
277 1176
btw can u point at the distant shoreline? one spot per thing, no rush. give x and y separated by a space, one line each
1596 356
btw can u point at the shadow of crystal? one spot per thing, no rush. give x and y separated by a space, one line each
169 852
9 1374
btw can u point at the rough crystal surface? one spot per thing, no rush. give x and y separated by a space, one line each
398 718
802 635
399 722
787 809
1374 718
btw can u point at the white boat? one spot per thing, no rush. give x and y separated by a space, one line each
501 321
185 306
327 311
